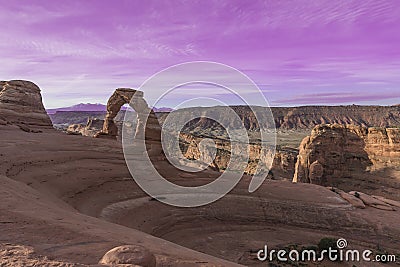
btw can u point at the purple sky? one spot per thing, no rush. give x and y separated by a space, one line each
298 52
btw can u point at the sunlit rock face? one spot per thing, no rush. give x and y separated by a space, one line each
383 147
92 127
147 123
333 151
21 103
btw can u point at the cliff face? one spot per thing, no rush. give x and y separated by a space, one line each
383 146
283 162
305 117
333 151
92 127
21 103
310 116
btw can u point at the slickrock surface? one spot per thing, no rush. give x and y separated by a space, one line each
22 256
21 103
58 185
388 201
66 200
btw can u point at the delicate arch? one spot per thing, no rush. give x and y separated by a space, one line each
149 129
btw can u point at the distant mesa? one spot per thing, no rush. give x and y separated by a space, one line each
87 107
297 118
79 107
21 103
162 109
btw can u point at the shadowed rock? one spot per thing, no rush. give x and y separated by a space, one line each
342 149
331 151
316 172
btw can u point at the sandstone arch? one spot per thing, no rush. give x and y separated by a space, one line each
146 129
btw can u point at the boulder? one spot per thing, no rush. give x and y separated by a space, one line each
129 254
388 201
21 103
371 201
356 202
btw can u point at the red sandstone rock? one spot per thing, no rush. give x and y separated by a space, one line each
21 101
129 254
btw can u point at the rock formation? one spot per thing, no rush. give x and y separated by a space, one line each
353 200
306 117
316 172
383 146
129 255
21 103
371 201
362 200
91 128
333 151
147 123
283 162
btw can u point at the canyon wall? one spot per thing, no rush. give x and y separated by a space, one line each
333 151
305 117
283 162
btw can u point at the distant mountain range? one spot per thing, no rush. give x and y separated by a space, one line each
94 107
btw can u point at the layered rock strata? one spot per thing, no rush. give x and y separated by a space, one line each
333 151
147 123
21 103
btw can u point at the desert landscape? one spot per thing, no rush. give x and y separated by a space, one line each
68 198
213 133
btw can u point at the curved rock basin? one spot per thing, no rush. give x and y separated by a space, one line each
90 176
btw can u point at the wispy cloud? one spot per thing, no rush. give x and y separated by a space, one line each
287 47
338 98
